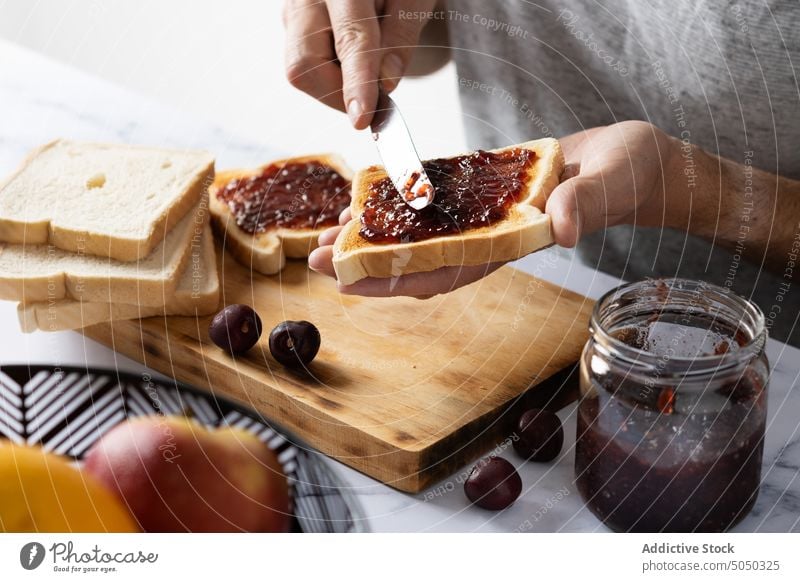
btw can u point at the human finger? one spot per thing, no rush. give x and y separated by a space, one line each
311 64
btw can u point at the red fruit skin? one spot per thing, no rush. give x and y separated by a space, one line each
540 436
493 484
177 476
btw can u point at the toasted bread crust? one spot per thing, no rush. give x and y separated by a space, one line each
524 230
266 252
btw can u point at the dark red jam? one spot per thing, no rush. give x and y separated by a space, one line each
653 457
294 195
472 191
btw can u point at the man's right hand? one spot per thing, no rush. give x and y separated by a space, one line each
337 50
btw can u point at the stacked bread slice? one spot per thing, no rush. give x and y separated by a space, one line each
96 232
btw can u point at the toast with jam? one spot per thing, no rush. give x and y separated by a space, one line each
488 207
278 210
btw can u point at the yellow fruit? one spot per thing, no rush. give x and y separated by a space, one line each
43 492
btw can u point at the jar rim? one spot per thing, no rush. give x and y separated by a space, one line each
637 357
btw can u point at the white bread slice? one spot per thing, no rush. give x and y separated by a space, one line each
107 200
266 252
197 294
524 230
30 273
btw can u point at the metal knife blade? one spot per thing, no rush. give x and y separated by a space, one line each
399 155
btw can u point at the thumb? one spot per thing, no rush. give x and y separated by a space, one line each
576 207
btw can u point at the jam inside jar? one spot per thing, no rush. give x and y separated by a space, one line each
673 408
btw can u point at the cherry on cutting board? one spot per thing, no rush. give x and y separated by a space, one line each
235 329
541 435
294 343
493 484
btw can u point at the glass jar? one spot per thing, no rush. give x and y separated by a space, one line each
673 407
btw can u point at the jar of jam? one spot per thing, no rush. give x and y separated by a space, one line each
673 407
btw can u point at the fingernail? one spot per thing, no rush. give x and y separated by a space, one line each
354 111
391 71
312 260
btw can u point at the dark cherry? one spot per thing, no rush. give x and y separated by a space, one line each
235 329
294 343
493 484
541 435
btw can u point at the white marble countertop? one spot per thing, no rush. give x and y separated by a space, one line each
41 100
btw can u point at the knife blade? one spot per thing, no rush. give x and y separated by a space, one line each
398 154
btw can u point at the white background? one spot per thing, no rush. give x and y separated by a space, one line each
400 557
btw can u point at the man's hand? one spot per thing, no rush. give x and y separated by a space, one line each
336 50
633 173
614 175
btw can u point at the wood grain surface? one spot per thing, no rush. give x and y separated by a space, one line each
404 390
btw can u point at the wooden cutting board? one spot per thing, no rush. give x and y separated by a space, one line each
404 390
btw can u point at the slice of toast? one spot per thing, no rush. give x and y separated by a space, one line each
197 294
30 273
525 229
106 200
266 252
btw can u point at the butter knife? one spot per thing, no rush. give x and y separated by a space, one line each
398 153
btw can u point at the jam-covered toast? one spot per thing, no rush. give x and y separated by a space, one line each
278 210
489 207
